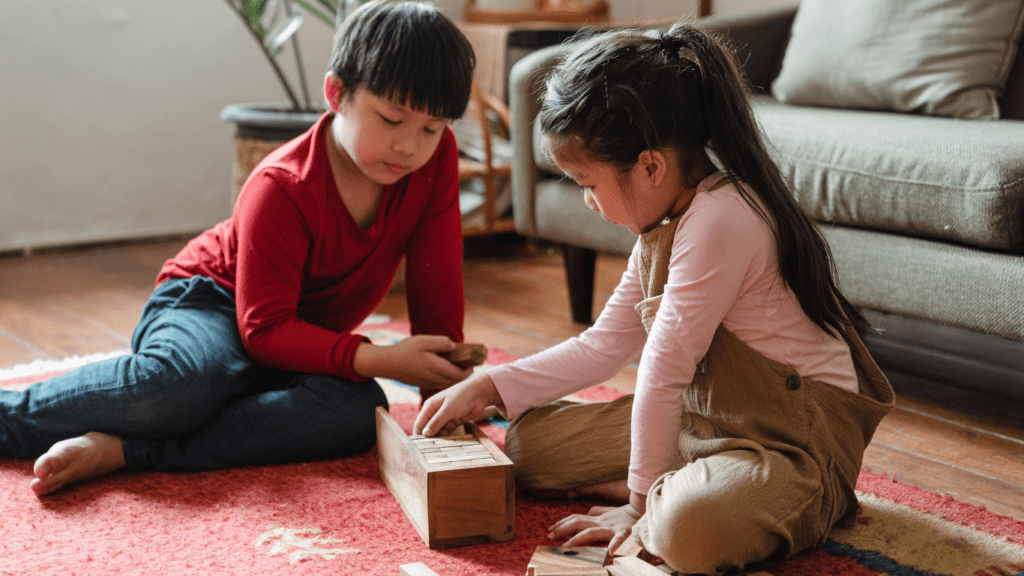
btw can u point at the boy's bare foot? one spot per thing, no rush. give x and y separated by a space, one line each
75 459
616 492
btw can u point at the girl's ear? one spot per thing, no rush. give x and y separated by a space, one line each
334 91
652 165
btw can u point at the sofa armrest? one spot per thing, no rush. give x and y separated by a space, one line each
526 84
759 40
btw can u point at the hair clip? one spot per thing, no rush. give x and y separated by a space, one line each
676 45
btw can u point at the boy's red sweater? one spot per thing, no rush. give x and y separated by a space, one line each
305 275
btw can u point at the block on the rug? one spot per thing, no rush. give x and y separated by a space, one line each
466 355
633 566
415 569
568 560
631 548
455 490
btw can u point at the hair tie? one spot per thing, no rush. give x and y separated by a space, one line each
675 46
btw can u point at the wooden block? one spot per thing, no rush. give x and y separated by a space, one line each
465 498
631 548
568 561
633 566
466 355
416 569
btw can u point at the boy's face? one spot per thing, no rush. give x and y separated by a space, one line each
385 140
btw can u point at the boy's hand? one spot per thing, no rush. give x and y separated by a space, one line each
465 402
414 361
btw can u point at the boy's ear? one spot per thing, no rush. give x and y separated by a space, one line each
334 91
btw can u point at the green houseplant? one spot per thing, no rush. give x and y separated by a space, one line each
262 127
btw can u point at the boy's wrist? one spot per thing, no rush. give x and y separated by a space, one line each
367 360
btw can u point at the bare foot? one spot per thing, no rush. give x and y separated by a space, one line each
75 459
616 492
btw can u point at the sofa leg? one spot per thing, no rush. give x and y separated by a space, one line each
579 271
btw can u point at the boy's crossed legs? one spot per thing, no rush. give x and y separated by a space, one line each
189 398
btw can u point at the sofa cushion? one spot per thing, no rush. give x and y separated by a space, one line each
956 180
932 56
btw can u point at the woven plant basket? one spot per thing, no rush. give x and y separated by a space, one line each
259 130
248 153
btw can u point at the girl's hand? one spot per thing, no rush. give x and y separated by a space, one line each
601 524
467 401
412 361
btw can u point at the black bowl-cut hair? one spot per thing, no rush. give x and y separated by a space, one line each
405 51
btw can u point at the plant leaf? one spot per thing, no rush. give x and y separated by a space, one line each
253 10
285 30
328 19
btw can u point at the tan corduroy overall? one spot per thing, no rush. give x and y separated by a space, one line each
770 459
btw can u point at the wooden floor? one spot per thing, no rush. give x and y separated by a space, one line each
60 304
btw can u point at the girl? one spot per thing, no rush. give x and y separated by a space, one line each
755 397
244 353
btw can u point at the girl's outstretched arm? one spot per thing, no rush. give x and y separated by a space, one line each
467 401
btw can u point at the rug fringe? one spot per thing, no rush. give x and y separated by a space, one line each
45 366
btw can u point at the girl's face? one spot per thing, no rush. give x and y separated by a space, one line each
385 140
603 191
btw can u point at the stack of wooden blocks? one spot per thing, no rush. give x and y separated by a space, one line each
455 490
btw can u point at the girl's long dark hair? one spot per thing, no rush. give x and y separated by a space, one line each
620 93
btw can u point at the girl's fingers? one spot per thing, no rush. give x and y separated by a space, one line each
571 525
422 418
617 540
427 420
595 534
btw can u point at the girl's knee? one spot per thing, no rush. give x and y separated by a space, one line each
565 445
706 532
685 536
533 468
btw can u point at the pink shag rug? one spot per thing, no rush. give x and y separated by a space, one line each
336 517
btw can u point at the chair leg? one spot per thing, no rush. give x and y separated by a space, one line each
579 271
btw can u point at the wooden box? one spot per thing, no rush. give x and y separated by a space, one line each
456 490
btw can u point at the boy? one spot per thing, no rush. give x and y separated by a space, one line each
244 353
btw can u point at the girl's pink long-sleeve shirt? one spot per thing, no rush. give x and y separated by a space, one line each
723 271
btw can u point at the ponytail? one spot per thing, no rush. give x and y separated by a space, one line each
623 92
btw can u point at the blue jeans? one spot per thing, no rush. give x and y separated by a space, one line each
189 397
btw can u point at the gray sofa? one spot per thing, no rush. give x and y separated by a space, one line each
924 215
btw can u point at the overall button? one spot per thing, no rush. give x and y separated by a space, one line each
793 382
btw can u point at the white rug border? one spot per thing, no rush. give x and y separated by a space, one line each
36 367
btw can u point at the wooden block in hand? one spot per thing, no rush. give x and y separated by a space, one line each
455 490
466 355
568 561
415 569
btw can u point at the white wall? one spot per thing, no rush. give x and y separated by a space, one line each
109 124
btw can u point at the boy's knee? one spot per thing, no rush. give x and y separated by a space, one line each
350 411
